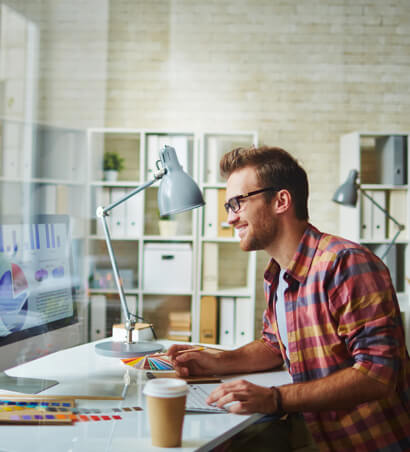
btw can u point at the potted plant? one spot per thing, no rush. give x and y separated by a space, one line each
167 226
113 164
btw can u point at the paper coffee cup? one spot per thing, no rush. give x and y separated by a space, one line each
166 408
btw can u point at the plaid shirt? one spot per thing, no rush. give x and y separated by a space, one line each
342 311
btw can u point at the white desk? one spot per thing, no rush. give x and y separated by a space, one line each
81 371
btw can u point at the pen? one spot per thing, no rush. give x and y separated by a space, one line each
194 349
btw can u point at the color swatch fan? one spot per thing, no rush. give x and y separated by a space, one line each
150 362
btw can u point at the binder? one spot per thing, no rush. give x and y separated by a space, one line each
132 305
366 220
378 216
47 197
211 213
393 159
398 210
152 154
102 195
243 321
62 199
98 304
208 320
180 144
390 260
134 215
212 163
118 218
11 150
210 267
224 228
226 321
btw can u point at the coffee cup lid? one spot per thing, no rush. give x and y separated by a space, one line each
166 387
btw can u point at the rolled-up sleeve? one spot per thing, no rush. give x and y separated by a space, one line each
268 335
364 305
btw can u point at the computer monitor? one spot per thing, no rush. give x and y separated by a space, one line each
36 294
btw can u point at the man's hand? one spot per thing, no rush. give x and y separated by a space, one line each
188 363
249 398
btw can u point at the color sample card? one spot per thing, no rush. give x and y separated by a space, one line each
56 412
150 362
36 412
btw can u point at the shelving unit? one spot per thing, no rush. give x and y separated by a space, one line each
134 227
169 293
382 161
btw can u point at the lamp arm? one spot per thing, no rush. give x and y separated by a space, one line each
142 187
128 323
390 244
400 226
102 213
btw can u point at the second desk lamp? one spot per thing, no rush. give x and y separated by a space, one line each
346 195
177 193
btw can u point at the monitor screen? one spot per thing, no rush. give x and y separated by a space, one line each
36 293
35 277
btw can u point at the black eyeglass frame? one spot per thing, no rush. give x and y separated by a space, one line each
234 202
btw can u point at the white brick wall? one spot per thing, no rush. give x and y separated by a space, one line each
301 73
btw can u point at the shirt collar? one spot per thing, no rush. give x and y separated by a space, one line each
301 262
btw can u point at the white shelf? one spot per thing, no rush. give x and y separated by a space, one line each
382 242
175 238
383 187
113 291
132 184
232 292
220 239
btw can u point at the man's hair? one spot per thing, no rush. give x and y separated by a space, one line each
274 168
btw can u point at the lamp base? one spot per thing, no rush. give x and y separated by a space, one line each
125 350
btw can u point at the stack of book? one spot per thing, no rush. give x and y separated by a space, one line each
179 326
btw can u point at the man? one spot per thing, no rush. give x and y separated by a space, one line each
332 316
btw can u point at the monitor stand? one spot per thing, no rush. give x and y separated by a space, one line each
24 385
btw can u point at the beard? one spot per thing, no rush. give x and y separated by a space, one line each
260 235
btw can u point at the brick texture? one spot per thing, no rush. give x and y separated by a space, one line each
300 73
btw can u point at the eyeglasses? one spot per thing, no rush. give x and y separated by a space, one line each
234 203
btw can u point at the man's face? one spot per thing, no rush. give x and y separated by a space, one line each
255 221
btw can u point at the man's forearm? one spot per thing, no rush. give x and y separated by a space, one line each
342 390
252 357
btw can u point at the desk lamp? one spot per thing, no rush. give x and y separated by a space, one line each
346 195
177 193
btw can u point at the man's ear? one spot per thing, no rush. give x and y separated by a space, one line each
282 201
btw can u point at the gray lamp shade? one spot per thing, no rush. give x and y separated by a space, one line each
346 194
177 192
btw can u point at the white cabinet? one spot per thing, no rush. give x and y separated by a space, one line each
168 274
382 161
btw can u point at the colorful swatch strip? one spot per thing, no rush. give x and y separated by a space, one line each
36 412
150 362
55 412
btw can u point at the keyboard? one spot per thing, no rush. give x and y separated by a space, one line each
196 401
